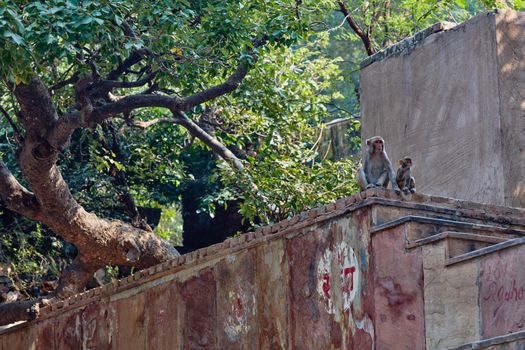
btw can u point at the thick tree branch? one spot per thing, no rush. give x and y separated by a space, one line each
38 113
71 121
230 85
134 58
86 107
365 37
16 196
26 310
129 103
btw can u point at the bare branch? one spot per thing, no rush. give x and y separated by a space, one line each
12 123
196 131
365 37
111 84
146 124
129 103
128 31
95 74
72 80
209 140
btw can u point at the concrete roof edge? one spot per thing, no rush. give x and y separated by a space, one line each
411 42
407 43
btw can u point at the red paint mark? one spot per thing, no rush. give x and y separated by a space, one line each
340 257
238 307
348 286
497 272
501 293
160 317
326 284
394 293
239 304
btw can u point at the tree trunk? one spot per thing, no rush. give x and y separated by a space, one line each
99 241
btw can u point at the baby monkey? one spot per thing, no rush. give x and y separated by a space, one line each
405 182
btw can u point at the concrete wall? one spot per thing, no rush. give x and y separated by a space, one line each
370 271
510 38
335 142
454 101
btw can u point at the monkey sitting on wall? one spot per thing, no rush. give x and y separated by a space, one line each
377 169
405 182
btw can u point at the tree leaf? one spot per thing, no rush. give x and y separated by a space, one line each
17 39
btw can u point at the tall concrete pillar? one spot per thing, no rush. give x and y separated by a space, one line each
453 98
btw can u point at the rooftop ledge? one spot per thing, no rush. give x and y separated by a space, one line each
408 44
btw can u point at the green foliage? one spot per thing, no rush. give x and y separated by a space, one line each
276 117
34 254
193 41
170 225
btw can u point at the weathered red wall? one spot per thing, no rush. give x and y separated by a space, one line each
370 271
502 292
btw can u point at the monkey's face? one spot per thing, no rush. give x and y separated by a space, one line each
405 162
378 145
375 144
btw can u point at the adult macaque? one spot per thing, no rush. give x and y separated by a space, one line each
405 182
377 169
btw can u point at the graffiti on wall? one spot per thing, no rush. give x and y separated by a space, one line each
500 287
338 274
502 292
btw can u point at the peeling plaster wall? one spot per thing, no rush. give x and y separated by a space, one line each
371 271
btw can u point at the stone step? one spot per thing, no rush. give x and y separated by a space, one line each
421 227
458 243
462 246
509 341
485 250
456 235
